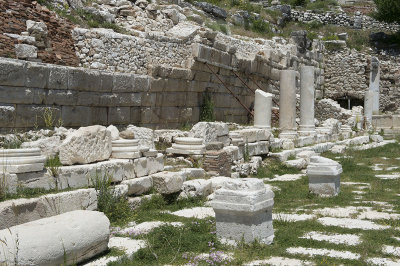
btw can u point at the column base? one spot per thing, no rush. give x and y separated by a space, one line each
288 135
307 130
263 127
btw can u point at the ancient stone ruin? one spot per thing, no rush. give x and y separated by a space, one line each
150 132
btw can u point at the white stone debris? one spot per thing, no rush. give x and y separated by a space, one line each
278 261
146 227
291 217
391 250
383 261
389 176
351 223
284 178
324 252
196 212
346 239
128 245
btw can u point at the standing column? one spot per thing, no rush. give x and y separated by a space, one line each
287 104
374 79
307 126
368 107
262 109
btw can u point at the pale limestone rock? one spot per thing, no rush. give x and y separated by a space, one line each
114 132
324 176
74 236
196 188
149 165
144 135
168 182
86 145
14 212
210 131
139 186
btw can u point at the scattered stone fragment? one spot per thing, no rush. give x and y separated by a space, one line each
278 261
289 217
284 178
196 212
383 261
389 176
324 252
351 223
346 239
146 227
391 250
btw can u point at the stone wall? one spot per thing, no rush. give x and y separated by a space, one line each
106 50
347 75
342 19
14 15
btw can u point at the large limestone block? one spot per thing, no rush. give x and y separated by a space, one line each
78 176
144 135
254 134
148 165
64 239
138 186
86 145
210 131
196 188
19 211
324 176
243 210
168 182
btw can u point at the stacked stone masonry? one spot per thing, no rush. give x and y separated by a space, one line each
342 19
347 75
14 15
218 162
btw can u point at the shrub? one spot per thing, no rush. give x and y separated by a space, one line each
114 206
260 26
207 109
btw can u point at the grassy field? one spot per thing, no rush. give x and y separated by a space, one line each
181 245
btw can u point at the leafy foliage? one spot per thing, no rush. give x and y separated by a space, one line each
207 109
387 10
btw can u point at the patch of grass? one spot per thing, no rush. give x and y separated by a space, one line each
114 206
272 167
171 245
207 113
217 26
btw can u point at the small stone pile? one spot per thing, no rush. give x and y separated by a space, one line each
217 160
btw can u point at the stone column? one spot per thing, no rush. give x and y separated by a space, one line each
262 109
374 83
368 107
307 126
287 104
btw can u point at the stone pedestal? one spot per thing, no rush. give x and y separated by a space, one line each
307 126
187 146
287 104
125 149
324 176
243 210
16 161
374 79
262 109
368 107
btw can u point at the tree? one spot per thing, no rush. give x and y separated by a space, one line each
388 10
